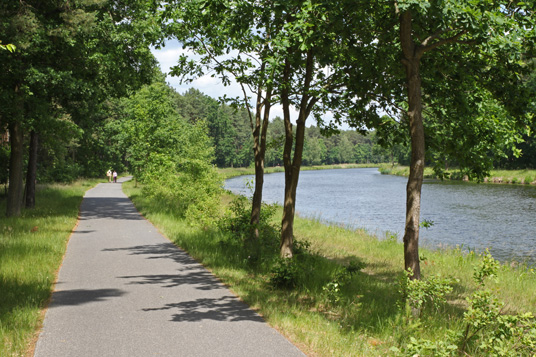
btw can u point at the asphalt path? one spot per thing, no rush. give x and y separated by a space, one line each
125 290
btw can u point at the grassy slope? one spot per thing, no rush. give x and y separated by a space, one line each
31 251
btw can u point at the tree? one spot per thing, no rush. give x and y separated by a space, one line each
307 78
427 28
436 41
237 44
167 153
68 54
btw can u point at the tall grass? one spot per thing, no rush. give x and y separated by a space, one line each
31 250
329 312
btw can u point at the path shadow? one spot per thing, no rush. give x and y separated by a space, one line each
225 308
200 278
188 270
83 296
158 251
108 207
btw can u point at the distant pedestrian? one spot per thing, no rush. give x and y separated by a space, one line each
109 174
115 176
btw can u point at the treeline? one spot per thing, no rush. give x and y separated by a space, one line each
229 129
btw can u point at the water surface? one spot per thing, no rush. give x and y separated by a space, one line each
473 216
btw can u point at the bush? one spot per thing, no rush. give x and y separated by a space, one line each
199 203
284 273
488 331
236 222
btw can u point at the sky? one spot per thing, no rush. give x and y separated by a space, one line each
212 86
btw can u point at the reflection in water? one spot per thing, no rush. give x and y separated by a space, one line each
473 216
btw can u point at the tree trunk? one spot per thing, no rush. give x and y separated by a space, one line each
292 174
15 190
292 167
291 182
31 174
259 149
287 222
411 60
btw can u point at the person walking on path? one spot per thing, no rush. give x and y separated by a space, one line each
115 176
125 290
109 174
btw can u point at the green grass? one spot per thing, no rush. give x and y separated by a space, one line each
229 172
496 176
31 250
366 320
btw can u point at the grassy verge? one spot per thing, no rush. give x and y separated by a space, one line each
496 176
238 171
31 250
330 312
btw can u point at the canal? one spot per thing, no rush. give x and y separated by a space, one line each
466 215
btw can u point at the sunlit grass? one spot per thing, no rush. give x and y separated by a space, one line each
367 320
496 176
31 250
229 172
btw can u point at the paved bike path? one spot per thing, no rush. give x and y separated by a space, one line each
125 290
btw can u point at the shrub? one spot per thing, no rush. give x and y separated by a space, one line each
236 222
284 273
419 294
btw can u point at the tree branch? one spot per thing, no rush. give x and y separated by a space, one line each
426 48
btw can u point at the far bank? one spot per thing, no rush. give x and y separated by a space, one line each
526 176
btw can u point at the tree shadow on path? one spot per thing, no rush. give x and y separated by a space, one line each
225 308
83 296
188 271
108 208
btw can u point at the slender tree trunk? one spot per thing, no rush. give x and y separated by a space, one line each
31 174
292 174
259 149
292 166
411 60
15 190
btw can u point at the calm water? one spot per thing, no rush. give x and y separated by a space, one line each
498 217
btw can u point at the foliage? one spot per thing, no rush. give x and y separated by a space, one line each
70 57
9 47
284 273
341 278
167 154
236 223
419 294
487 327
488 330
424 347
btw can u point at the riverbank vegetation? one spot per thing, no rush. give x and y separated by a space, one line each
495 176
31 251
229 172
343 292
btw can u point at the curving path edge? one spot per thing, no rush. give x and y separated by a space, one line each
125 290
